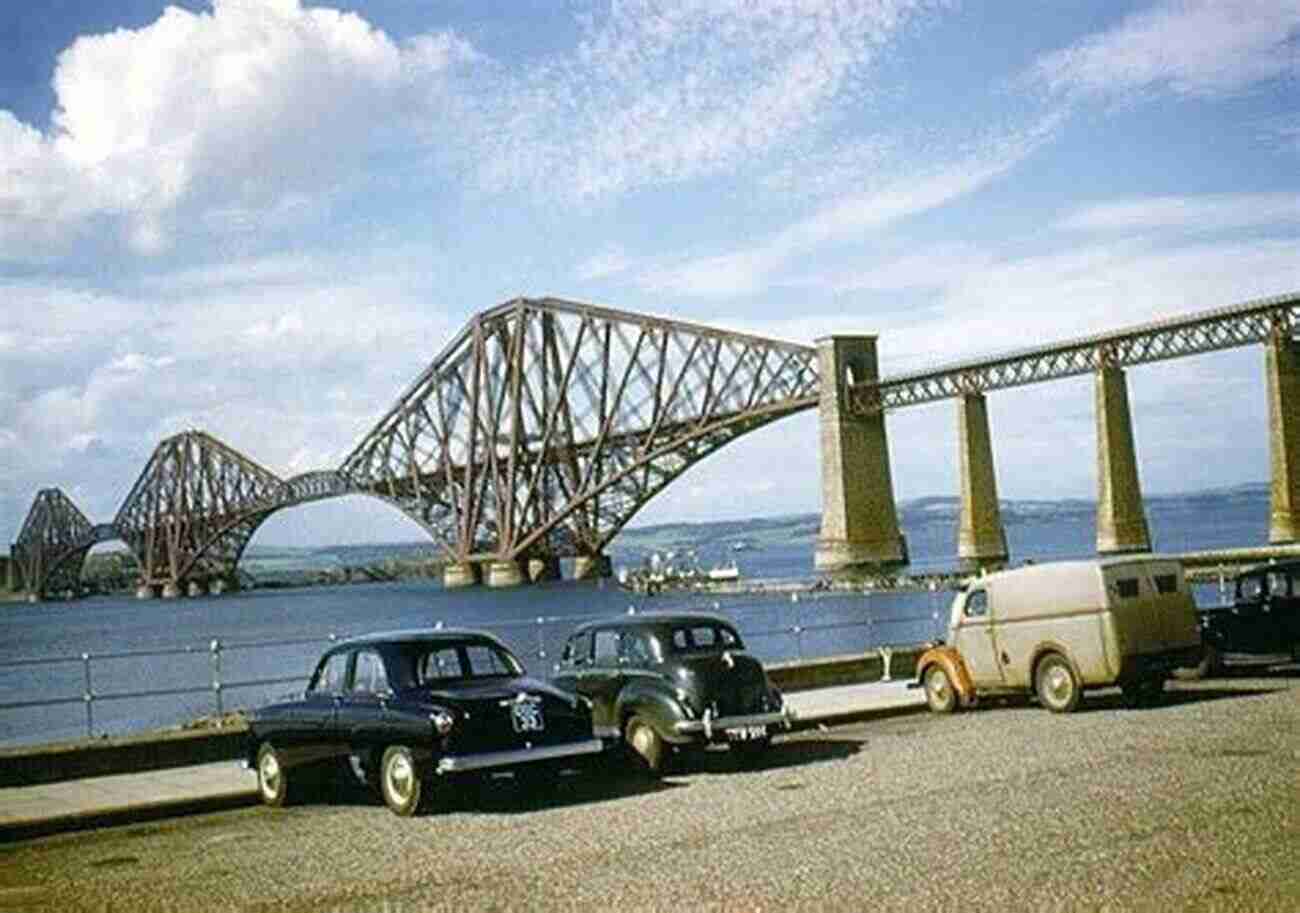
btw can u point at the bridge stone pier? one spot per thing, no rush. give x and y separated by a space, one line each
1121 522
981 539
592 567
859 517
1282 363
460 574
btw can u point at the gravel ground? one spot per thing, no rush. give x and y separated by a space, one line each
1194 805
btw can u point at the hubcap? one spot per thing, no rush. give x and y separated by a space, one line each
1058 685
643 740
270 770
401 778
938 683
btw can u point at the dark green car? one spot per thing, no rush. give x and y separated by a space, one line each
659 681
1262 626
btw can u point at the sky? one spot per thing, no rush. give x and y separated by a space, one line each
263 218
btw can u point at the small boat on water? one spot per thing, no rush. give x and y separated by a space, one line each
723 573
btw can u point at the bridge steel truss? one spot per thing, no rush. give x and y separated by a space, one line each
197 503
1249 323
53 543
546 424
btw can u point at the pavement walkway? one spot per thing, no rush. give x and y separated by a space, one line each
32 811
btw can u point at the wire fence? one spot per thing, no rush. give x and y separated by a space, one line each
775 628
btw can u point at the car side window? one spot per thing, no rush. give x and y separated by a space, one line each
439 664
1250 588
485 661
368 675
330 675
577 652
635 647
977 604
606 650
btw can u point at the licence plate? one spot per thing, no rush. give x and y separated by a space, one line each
746 733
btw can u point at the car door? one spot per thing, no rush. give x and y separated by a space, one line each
1251 619
579 672
363 706
975 640
306 731
602 679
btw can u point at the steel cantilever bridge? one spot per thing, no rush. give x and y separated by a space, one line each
538 432
541 430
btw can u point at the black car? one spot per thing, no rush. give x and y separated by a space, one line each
656 681
1261 625
406 709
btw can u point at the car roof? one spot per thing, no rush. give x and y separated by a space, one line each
655 620
414 635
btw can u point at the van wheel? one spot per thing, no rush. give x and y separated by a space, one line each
1058 689
939 692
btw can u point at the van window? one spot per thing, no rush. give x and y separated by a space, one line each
1166 583
1127 587
977 604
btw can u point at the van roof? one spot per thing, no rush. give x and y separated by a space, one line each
1108 561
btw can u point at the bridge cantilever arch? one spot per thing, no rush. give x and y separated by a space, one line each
545 425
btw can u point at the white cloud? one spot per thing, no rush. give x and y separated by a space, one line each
1190 47
610 262
237 110
850 218
666 92
1212 212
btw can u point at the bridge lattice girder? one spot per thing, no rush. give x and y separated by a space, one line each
546 424
1249 323
194 508
53 543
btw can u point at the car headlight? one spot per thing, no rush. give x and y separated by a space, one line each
442 721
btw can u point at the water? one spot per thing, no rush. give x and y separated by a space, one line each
533 620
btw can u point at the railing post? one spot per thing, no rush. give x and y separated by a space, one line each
215 647
89 698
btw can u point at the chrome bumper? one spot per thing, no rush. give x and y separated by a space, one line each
458 763
709 723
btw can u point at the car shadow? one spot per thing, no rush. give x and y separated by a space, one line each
507 793
782 754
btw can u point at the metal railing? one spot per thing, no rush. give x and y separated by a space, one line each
538 638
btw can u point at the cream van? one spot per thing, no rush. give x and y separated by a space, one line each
1056 629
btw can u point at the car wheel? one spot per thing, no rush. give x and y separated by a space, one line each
1058 689
273 778
939 691
1211 663
647 748
400 781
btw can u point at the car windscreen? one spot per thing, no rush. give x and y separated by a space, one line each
462 661
703 637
